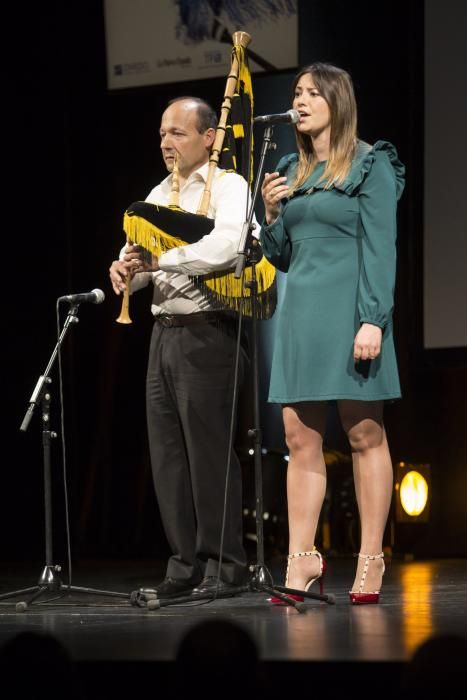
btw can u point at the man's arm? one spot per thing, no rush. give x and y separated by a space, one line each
219 249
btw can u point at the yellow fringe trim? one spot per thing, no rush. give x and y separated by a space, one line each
226 285
224 290
152 238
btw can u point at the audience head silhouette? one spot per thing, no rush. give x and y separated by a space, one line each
31 663
437 667
219 650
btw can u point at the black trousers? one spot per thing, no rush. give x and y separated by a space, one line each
189 390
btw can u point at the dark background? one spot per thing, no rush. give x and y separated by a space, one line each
75 155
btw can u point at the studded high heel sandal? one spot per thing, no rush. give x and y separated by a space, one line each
320 576
360 597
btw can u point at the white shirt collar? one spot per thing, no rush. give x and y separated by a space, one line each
199 174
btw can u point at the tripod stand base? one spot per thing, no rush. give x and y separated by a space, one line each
49 582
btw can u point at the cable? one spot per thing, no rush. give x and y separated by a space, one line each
62 435
235 387
231 435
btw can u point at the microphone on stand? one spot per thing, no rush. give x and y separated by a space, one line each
97 296
289 117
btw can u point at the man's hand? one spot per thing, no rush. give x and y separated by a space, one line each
118 272
367 343
138 260
123 271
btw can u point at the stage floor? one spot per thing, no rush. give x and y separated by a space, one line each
419 600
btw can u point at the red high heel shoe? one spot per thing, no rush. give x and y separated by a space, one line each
360 597
322 570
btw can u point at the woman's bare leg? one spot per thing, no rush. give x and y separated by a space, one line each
373 479
304 425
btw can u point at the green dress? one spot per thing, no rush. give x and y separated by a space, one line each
338 247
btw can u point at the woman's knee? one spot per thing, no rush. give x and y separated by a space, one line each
304 426
299 439
366 435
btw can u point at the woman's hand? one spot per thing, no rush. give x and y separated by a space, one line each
273 190
367 343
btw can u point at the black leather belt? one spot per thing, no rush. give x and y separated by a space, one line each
177 320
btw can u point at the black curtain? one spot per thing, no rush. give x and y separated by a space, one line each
76 155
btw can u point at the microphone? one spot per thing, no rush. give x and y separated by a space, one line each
289 117
97 296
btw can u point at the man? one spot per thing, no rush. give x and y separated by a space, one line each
190 374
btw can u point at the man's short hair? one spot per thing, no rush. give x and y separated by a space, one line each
207 118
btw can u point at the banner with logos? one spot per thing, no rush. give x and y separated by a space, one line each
149 42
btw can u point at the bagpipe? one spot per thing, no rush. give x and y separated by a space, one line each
158 228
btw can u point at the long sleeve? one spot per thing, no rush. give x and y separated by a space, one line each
378 205
276 244
274 239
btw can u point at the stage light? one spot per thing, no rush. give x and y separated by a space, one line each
412 489
413 493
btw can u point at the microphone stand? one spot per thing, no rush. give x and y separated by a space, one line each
49 580
261 580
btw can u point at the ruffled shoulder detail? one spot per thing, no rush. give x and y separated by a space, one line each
361 166
287 162
363 162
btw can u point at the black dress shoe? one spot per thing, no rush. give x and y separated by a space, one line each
169 588
208 586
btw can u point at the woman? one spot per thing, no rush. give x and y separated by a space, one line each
330 223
